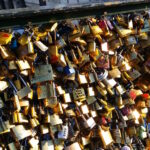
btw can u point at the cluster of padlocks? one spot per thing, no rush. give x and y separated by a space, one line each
76 84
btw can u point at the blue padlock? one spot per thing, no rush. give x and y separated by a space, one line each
68 70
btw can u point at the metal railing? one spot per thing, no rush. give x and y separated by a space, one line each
10 4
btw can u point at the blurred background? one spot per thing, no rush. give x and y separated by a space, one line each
13 4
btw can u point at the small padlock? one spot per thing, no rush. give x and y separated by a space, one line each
105 137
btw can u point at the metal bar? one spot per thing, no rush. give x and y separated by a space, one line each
20 18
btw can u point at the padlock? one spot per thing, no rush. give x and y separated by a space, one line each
79 94
85 109
59 144
67 98
82 79
47 145
91 91
85 29
23 65
25 90
12 65
116 134
75 34
15 99
3 85
70 113
58 109
101 91
44 129
121 20
122 31
142 132
103 61
33 112
20 132
104 47
74 146
120 89
63 134
33 142
105 137
51 97
5 53
12 146
41 46
62 60
91 78
42 73
53 51
23 39
60 90
30 47
92 47
34 122
85 141
95 30
89 122
130 40
3 126
103 25
55 120
131 131
5 38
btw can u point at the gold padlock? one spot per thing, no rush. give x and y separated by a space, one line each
15 117
23 40
5 53
105 137
33 112
5 38
16 103
30 47
95 30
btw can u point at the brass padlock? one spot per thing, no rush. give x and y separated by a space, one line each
34 122
20 132
67 98
5 38
23 64
33 112
55 120
95 30
3 85
23 39
105 137
79 94
30 47
82 79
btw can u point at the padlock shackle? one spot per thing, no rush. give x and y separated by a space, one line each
20 77
12 86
